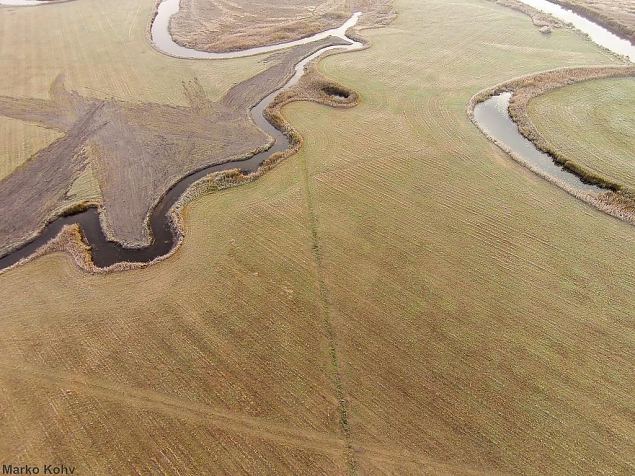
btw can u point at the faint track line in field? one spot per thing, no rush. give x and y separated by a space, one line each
326 443
342 404
221 418
133 20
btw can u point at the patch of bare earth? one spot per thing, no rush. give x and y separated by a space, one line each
137 150
223 25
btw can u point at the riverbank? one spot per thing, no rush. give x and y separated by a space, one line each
614 15
161 233
544 22
478 311
592 122
218 27
617 200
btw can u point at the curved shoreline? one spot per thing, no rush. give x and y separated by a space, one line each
598 192
162 38
504 133
513 95
611 25
164 220
597 33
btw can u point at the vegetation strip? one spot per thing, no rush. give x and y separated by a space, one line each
221 26
545 23
598 34
342 402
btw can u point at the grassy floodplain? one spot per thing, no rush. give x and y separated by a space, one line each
136 149
224 25
103 50
481 317
592 123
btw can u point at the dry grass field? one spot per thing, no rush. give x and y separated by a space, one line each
104 52
135 149
616 199
546 23
615 15
399 297
228 25
593 123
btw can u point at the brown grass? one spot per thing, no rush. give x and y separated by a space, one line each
617 16
479 313
542 83
544 22
593 123
313 87
222 25
124 141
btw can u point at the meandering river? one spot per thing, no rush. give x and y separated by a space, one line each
492 115
493 118
107 253
598 34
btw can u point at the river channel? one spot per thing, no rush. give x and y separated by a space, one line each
492 115
106 253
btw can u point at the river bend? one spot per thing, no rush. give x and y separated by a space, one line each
106 253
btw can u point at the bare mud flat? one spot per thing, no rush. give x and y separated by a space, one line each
140 150
223 25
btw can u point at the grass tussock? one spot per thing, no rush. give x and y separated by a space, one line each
76 208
